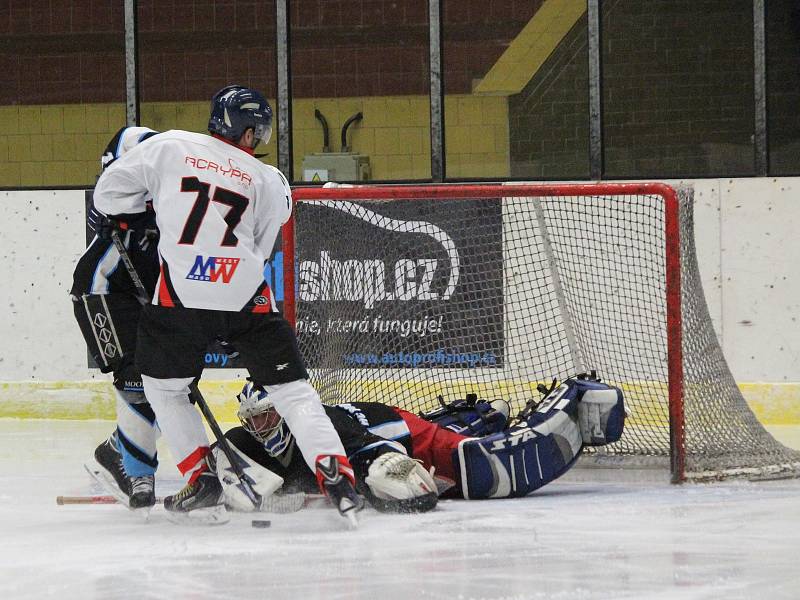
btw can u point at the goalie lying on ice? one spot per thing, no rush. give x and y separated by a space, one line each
468 442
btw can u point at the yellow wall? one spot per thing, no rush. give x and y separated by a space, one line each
60 145
476 136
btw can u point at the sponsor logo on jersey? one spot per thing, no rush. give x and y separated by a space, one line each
355 412
213 268
231 170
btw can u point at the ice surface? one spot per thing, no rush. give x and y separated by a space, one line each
574 541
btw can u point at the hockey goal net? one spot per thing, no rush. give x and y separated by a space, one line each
406 294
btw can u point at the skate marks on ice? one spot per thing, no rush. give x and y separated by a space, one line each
569 540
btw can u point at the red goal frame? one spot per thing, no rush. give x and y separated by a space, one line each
477 191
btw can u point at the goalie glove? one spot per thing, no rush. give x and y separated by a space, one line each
397 483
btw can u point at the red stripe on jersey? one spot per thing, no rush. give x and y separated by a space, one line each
164 299
192 461
431 444
264 292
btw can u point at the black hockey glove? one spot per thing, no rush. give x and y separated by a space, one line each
142 223
148 237
106 226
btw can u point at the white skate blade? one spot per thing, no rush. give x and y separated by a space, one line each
105 481
143 512
212 515
347 510
352 519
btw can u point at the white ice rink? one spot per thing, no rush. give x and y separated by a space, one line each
570 540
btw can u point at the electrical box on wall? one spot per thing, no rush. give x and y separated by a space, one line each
336 166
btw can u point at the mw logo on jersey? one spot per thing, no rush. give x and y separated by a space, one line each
213 268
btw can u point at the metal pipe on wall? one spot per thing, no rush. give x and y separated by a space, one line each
438 166
760 88
132 114
596 166
284 107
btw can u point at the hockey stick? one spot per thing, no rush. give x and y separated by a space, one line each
194 391
141 292
277 503
68 500
222 441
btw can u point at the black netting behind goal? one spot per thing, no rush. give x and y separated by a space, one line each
405 300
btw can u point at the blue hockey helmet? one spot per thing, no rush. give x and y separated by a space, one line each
235 108
260 419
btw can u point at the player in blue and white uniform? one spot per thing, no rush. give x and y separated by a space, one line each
107 310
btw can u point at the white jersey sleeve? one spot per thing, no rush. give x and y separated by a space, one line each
122 190
274 212
219 211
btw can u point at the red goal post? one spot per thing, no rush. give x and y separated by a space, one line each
618 244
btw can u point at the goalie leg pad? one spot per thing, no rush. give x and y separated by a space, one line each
263 481
598 407
601 415
519 461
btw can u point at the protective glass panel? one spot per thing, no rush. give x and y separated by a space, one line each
678 97
783 86
62 90
187 54
516 85
360 90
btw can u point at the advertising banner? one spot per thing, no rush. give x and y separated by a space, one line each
401 284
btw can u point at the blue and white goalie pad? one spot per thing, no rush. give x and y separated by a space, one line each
544 444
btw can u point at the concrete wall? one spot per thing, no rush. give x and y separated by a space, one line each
746 238
746 234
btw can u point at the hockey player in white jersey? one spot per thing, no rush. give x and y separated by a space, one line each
219 211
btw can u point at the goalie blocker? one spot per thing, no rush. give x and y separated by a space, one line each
544 444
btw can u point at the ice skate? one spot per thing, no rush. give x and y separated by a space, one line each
108 472
198 502
143 494
339 489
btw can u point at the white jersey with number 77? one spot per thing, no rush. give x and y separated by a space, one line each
218 210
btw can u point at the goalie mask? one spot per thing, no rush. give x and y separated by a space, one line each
261 420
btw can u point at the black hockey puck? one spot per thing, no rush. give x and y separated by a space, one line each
260 524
